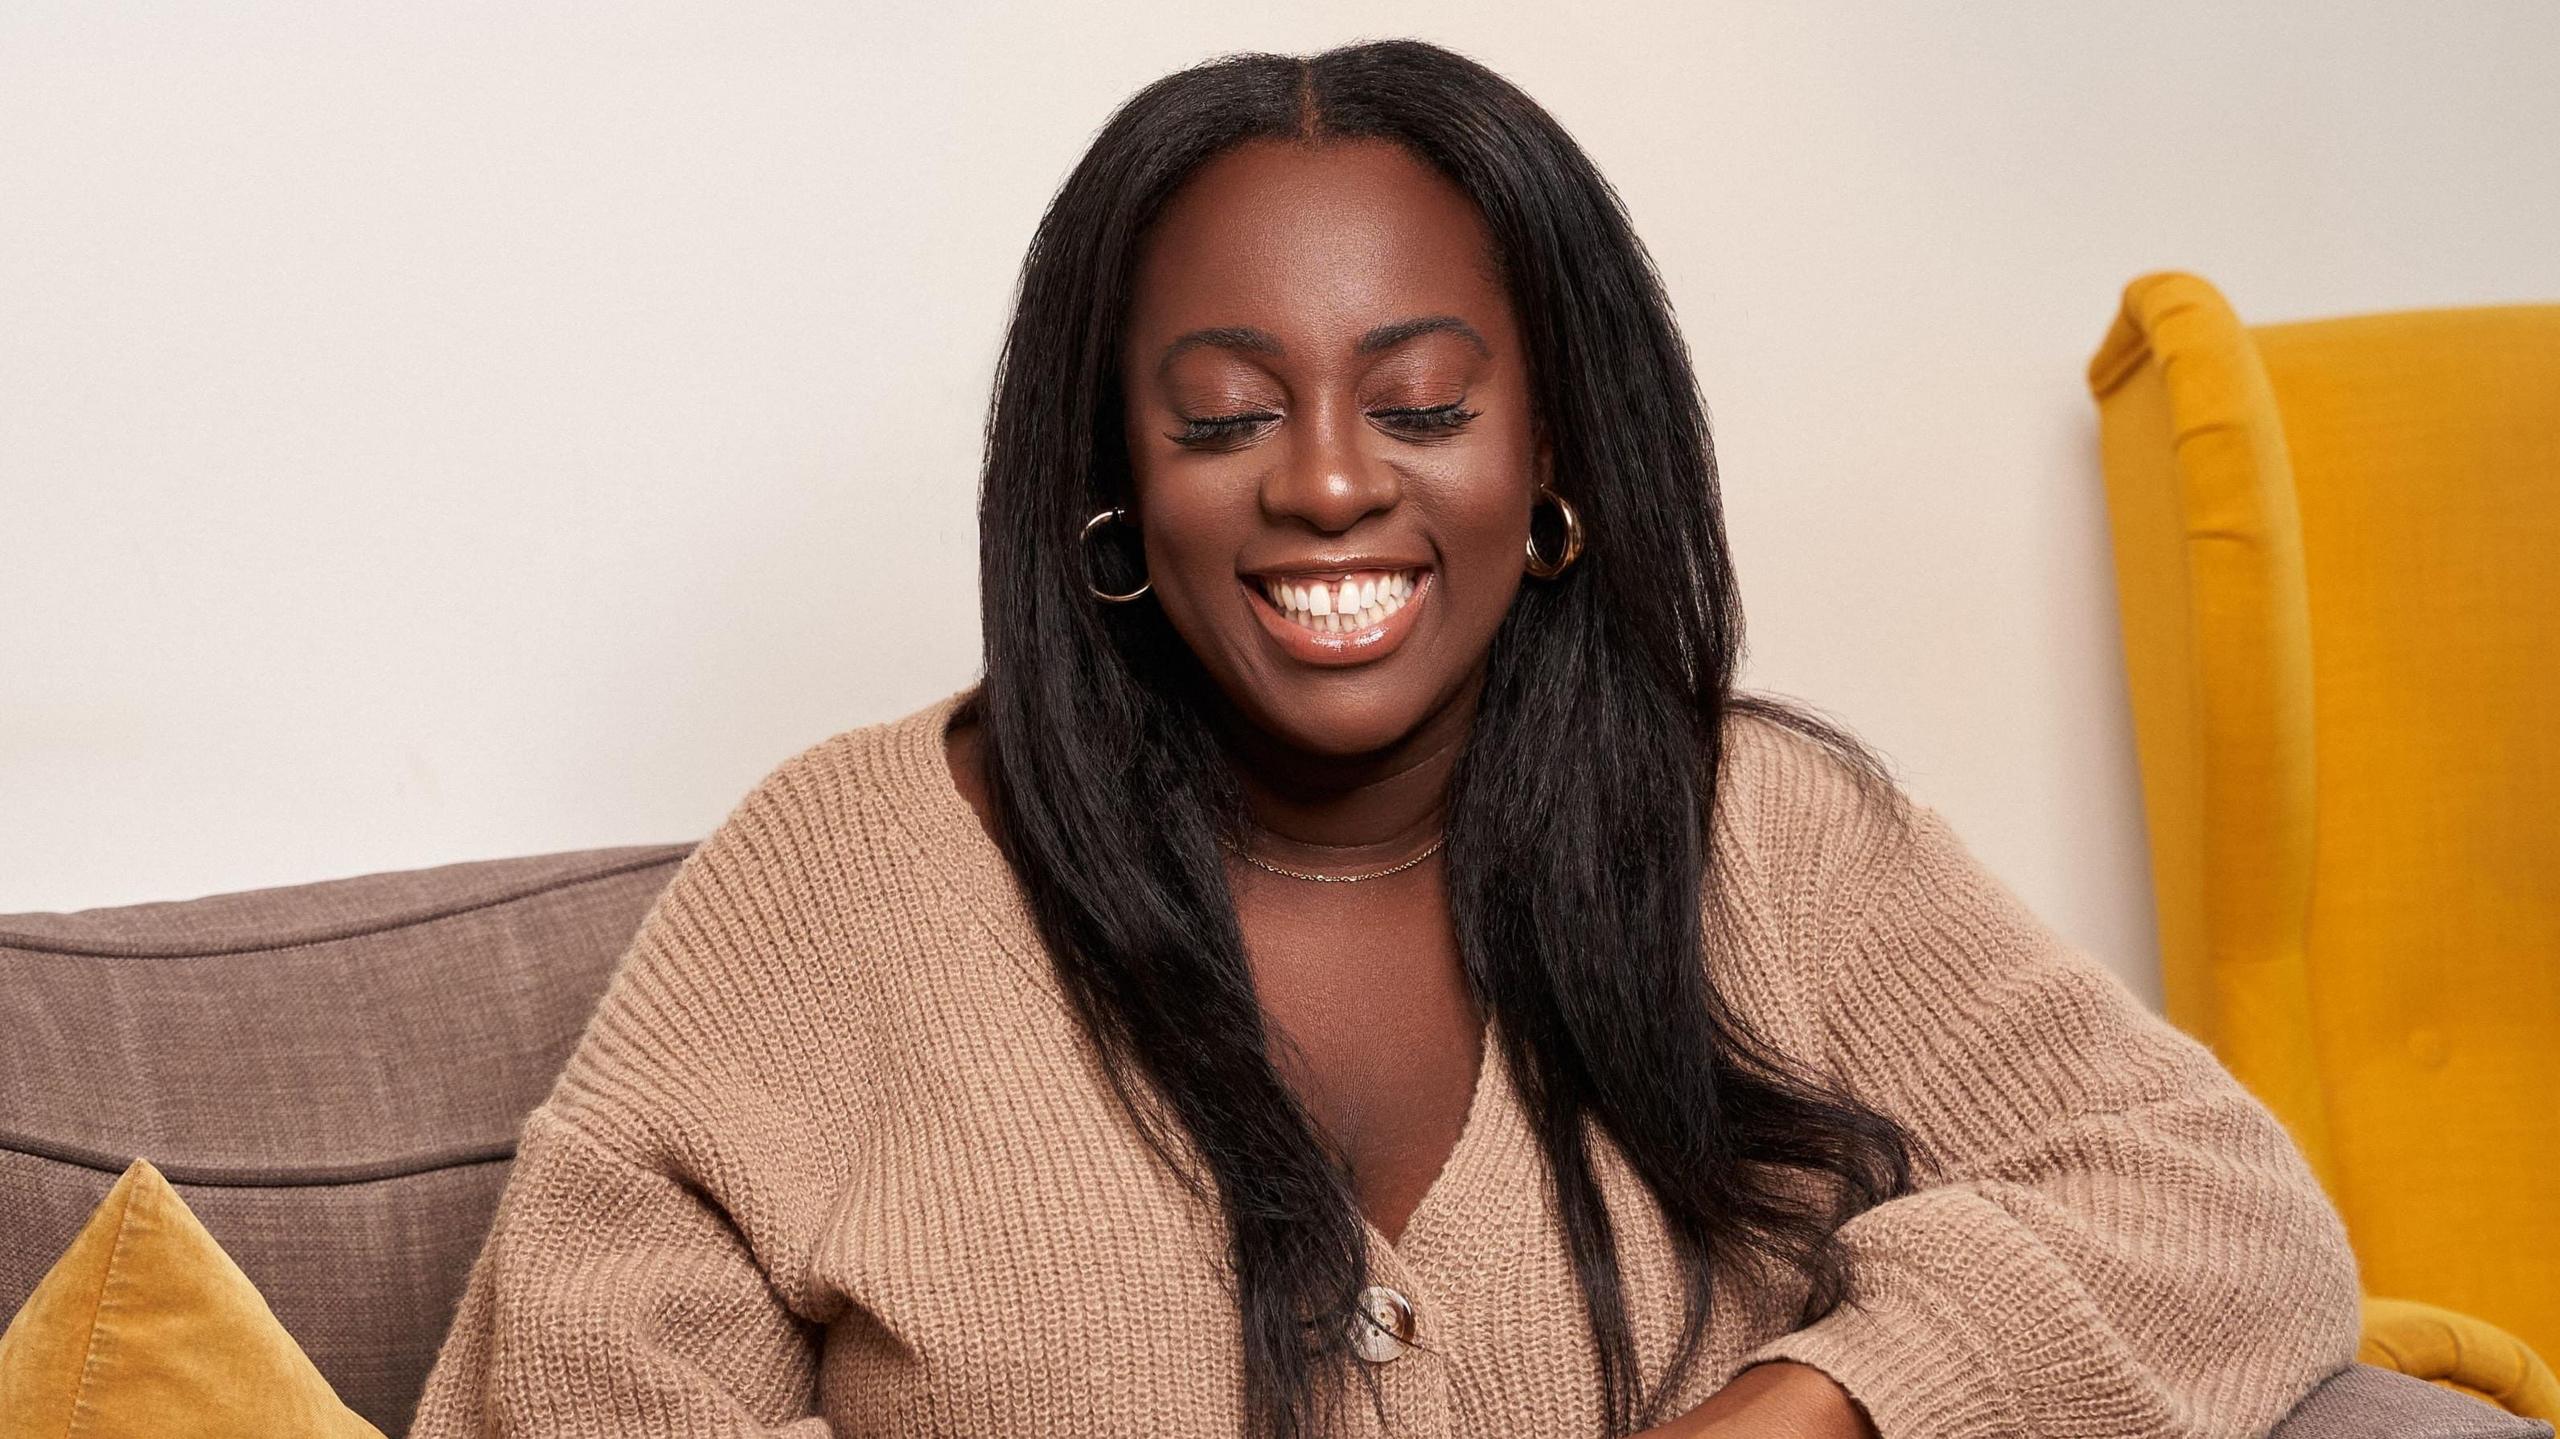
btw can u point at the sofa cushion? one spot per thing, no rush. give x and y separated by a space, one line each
333 1075
2363 1402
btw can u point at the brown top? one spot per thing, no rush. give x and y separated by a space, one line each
833 1157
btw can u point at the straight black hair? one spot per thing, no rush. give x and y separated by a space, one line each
1579 879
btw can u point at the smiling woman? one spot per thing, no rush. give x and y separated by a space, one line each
1283 466
1357 935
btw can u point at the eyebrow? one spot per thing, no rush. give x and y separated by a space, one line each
1386 336
1390 335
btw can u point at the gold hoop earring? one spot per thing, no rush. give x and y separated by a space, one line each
1539 565
1085 539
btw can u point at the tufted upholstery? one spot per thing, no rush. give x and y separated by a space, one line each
2338 556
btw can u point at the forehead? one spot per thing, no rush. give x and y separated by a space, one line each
1317 240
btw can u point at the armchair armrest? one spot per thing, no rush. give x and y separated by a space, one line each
2459 1352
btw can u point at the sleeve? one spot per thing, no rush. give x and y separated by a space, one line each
2106 1233
609 1299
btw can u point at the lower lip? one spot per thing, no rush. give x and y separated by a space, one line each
1350 647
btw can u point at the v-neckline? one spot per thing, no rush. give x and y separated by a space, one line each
1454 1174
944 824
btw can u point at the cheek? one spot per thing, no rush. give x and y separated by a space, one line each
1494 520
1195 524
1483 529
1194 527
1480 514
1481 553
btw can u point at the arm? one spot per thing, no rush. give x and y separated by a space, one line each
612 1300
2107 1234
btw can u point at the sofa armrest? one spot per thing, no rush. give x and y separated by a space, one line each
2364 1402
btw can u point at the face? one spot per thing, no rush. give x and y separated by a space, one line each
1332 449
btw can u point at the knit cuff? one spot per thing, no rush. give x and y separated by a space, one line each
1962 1326
1911 1365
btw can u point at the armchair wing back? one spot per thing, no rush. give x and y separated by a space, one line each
2337 550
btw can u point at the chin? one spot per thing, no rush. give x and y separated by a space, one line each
1341 715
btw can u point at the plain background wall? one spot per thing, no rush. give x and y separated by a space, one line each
440 431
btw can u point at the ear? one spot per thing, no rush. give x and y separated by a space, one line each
1546 463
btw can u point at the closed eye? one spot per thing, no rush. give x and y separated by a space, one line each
1217 431
1225 431
1435 420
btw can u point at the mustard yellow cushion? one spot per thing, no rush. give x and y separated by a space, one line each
145 1327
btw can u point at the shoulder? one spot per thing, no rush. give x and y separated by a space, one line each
1874 903
854 813
870 771
1803 822
1806 816
787 931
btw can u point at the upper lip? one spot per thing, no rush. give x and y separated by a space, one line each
1329 565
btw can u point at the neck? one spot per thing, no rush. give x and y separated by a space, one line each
1347 811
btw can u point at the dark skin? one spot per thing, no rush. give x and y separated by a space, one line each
1324 379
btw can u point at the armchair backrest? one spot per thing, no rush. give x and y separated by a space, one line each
2338 560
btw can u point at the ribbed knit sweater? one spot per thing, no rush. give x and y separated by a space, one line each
833 1157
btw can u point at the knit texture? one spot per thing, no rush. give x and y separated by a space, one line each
834 1158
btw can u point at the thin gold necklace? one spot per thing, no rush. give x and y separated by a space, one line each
1338 878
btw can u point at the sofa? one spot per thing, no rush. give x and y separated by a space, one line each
334 1076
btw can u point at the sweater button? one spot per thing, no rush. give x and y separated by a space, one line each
1386 1330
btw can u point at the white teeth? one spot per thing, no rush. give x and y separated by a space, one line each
1344 607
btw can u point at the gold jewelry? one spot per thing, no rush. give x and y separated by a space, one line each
1086 538
1338 878
1538 564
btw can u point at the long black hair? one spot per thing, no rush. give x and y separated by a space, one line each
1578 873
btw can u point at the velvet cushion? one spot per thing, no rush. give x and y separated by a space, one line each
144 1326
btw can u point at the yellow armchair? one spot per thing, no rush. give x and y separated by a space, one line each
2337 550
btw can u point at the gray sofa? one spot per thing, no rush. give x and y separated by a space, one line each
334 1076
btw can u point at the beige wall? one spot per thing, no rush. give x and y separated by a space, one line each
445 431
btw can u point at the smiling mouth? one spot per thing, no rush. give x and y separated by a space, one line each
1343 604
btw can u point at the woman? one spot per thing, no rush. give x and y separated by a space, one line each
1354 965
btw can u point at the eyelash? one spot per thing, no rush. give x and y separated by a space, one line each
1434 420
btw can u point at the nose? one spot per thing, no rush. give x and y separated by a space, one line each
1327 478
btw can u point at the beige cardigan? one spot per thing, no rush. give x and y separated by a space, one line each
834 1158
